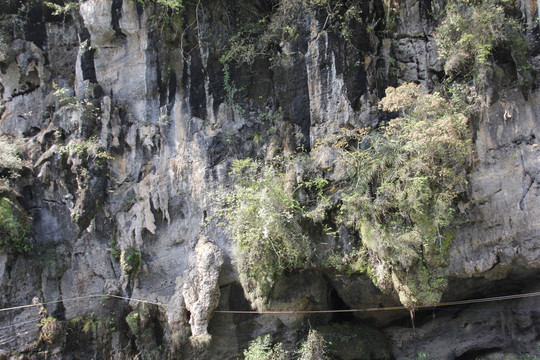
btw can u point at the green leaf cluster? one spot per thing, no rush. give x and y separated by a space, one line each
264 222
261 349
255 36
397 187
86 149
130 260
62 9
472 31
314 347
174 5
51 330
10 161
14 227
405 181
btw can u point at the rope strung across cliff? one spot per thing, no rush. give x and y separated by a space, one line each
450 303
8 337
285 312
81 298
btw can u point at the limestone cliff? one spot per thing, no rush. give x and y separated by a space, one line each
128 116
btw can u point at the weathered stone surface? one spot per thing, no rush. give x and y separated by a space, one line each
170 137
201 290
486 331
305 291
502 231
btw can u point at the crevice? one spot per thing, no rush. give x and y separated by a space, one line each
497 262
87 58
477 353
172 88
243 323
9 269
140 9
158 332
527 186
34 26
24 92
54 201
116 14
31 132
112 267
60 310
188 318
128 290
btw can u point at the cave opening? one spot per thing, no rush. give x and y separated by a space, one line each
337 303
60 311
239 302
158 332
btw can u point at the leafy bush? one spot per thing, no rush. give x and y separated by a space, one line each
173 5
261 349
130 260
67 8
255 36
404 184
87 323
264 223
87 149
14 227
400 192
473 30
51 330
10 162
314 347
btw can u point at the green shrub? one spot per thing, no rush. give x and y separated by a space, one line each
87 323
51 330
14 227
132 320
173 5
254 36
261 349
10 161
130 260
314 347
264 223
404 184
400 192
65 9
87 149
472 30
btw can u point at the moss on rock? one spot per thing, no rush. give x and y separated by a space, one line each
130 260
14 226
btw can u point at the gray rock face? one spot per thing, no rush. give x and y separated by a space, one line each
504 182
487 331
128 133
